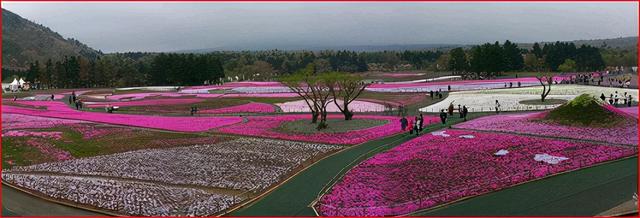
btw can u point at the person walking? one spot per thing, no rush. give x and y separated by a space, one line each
629 100
464 112
403 123
450 109
52 97
497 107
449 88
460 111
603 97
421 123
410 127
443 116
519 84
611 99
415 125
431 93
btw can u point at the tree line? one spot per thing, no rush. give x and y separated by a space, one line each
481 61
490 59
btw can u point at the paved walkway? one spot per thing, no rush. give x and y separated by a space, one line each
18 203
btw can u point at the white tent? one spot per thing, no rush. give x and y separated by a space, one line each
21 82
14 85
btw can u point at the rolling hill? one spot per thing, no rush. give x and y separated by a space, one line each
24 41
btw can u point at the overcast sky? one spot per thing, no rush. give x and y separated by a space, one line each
120 27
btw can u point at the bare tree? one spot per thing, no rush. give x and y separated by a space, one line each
345 87
313 90
545 79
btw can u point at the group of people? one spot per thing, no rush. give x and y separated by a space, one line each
73 99
437 93
510 84
416 125
615 100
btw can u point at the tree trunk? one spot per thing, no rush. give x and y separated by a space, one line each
314 117
323 121
347 114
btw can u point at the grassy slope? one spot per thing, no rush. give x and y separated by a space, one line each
293 197
585 192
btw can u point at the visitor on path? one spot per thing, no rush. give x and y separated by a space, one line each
450 110
611 99
510 84
629 101
519 83
421 123
431 93
77 105
194 110
15 98
71 100
415 125
440 96
497 107
443 116
449 88
410 127
616 99
52 97
403 123
603 97
464 112
460 111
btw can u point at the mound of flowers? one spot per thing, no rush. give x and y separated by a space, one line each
265 126
58 109
253 107
355 106
439 168
578 119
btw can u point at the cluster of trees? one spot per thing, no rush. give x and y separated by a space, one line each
267 64
489 59
120 70
319 89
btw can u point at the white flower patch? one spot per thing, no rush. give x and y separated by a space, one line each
440 133
485 100
550 159
466 136
501 152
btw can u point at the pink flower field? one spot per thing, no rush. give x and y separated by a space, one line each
439 168
19 121
149 102
527 124
22 133
253 107
264 126
57 109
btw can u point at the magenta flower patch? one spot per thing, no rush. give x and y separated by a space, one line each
432 170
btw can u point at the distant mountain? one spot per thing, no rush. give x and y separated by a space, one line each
630 42
357 48
24 41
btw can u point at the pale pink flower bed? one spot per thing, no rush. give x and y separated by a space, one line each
253 107
23 133
355 106
435 169
139 96
265 126
50 150
18 121
399 75
57 109
149 102
528 123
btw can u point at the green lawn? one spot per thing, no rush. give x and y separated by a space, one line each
294 197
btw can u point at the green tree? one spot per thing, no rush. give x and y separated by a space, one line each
568 66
